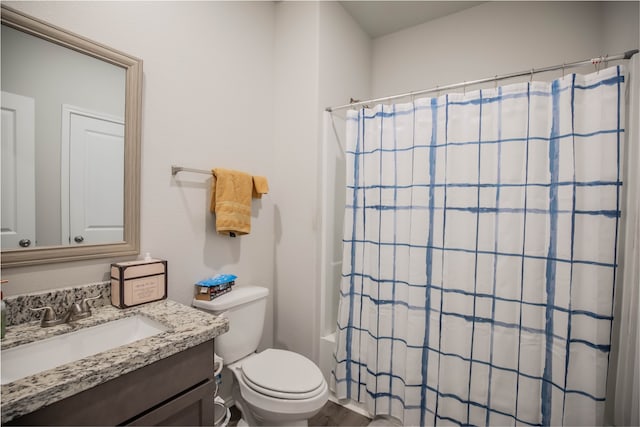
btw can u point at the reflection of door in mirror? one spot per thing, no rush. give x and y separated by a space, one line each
55 76
18 172
93 182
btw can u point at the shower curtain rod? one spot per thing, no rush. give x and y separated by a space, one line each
594 61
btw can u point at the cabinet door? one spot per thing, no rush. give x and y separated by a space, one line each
193 408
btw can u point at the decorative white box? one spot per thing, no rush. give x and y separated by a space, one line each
138 282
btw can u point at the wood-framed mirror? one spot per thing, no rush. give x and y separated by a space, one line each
72 190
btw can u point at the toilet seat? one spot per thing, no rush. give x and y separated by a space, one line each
282 374
279 394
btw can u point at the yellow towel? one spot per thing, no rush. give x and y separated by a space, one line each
231 201
260 187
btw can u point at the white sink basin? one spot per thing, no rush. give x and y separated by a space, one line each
29 359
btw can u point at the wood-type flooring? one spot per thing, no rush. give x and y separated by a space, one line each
331 414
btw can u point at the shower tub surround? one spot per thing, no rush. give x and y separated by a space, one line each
186 328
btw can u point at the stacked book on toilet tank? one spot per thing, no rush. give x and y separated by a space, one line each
213 287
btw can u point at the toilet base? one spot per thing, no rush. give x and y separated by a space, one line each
304 423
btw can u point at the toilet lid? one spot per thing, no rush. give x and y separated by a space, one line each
282 371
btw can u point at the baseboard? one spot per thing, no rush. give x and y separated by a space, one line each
351 405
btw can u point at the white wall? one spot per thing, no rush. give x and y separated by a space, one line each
620 26
322 58
295 161
498 38
207 102
345 73
345 62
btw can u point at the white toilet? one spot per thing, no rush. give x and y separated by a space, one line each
274 387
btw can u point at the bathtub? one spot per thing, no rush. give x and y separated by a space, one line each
327 345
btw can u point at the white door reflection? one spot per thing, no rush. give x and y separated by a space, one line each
18 228
92 177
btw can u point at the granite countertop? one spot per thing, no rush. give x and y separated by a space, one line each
187 327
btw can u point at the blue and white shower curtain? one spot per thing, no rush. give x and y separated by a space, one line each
480 254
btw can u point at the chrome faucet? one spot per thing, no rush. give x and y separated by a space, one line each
76 311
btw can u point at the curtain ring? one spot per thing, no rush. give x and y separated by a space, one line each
464 87
531 76
606 61
563 65
596 64
495 82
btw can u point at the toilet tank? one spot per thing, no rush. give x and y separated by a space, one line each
245 307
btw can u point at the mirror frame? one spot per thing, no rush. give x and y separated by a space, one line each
132 131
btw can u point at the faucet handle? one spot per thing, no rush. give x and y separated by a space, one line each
84 304
49 314
49 317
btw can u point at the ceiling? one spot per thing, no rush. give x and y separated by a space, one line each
378 18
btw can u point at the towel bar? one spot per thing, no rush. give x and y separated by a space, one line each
176 169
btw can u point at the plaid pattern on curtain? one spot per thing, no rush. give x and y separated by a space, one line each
480 254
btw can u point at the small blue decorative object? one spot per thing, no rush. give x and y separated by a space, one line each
217 280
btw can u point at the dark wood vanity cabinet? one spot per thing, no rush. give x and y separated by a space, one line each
176 391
